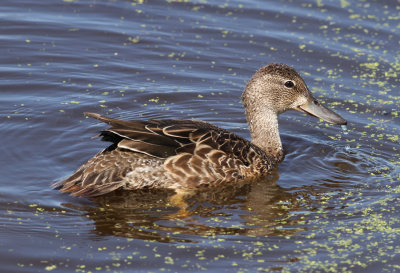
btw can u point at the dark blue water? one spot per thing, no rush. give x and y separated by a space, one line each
332 205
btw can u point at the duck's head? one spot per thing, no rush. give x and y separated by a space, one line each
278 88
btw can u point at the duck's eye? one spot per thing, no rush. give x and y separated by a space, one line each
289 84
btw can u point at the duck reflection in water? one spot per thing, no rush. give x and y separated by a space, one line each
256 208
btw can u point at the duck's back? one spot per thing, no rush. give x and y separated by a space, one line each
174 154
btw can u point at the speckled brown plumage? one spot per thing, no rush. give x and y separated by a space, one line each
185 155
174 154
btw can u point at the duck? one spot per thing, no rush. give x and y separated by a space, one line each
189 155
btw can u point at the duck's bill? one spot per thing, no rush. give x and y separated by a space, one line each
314 108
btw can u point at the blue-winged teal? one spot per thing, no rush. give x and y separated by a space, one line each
185 155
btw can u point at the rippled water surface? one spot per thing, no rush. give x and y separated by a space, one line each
333 203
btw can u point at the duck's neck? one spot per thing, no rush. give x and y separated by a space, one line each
264 132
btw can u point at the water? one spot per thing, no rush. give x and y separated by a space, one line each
333 203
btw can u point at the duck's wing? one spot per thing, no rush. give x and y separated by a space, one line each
158 138
169 137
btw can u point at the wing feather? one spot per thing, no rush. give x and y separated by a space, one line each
160 151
